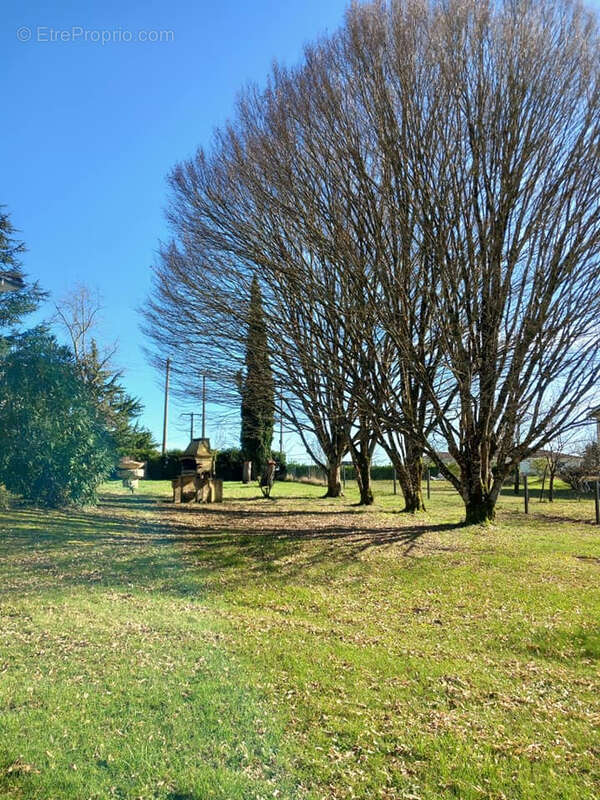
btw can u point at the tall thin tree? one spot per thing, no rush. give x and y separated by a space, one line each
257 387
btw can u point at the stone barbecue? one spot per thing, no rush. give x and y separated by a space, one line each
196 481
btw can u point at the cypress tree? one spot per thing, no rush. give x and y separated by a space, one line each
257 388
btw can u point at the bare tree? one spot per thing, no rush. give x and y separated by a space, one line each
201 289
420 202
492 113
335 200
557 453
293 191
78 314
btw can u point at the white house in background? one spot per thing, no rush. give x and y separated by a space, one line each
564 459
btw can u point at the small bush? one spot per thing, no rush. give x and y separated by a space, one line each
281 474
578 479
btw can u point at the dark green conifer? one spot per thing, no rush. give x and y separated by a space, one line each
257 388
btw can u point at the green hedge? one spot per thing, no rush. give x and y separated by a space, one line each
164 468
379 472
228 465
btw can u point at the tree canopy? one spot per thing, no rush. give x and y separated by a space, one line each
55 448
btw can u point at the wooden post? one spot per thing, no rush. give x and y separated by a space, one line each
428 483
526 493
597 499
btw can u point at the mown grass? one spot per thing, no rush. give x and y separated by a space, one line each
299 648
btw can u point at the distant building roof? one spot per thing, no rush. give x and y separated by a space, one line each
544 453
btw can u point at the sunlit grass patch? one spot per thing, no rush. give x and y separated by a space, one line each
298 648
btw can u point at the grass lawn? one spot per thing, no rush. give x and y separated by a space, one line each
299 648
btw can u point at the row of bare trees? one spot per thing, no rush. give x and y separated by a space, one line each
419 200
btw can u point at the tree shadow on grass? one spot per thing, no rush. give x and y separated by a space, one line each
264 506
170 555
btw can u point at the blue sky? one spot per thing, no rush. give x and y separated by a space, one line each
92 130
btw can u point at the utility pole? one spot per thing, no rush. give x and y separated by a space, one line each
191 415
166 415
204 406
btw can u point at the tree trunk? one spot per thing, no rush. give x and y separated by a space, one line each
479 496
362 468
361 449
415 502
405 486
247 472
334 480
408 463
479 508
517 479
410 478
551 488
